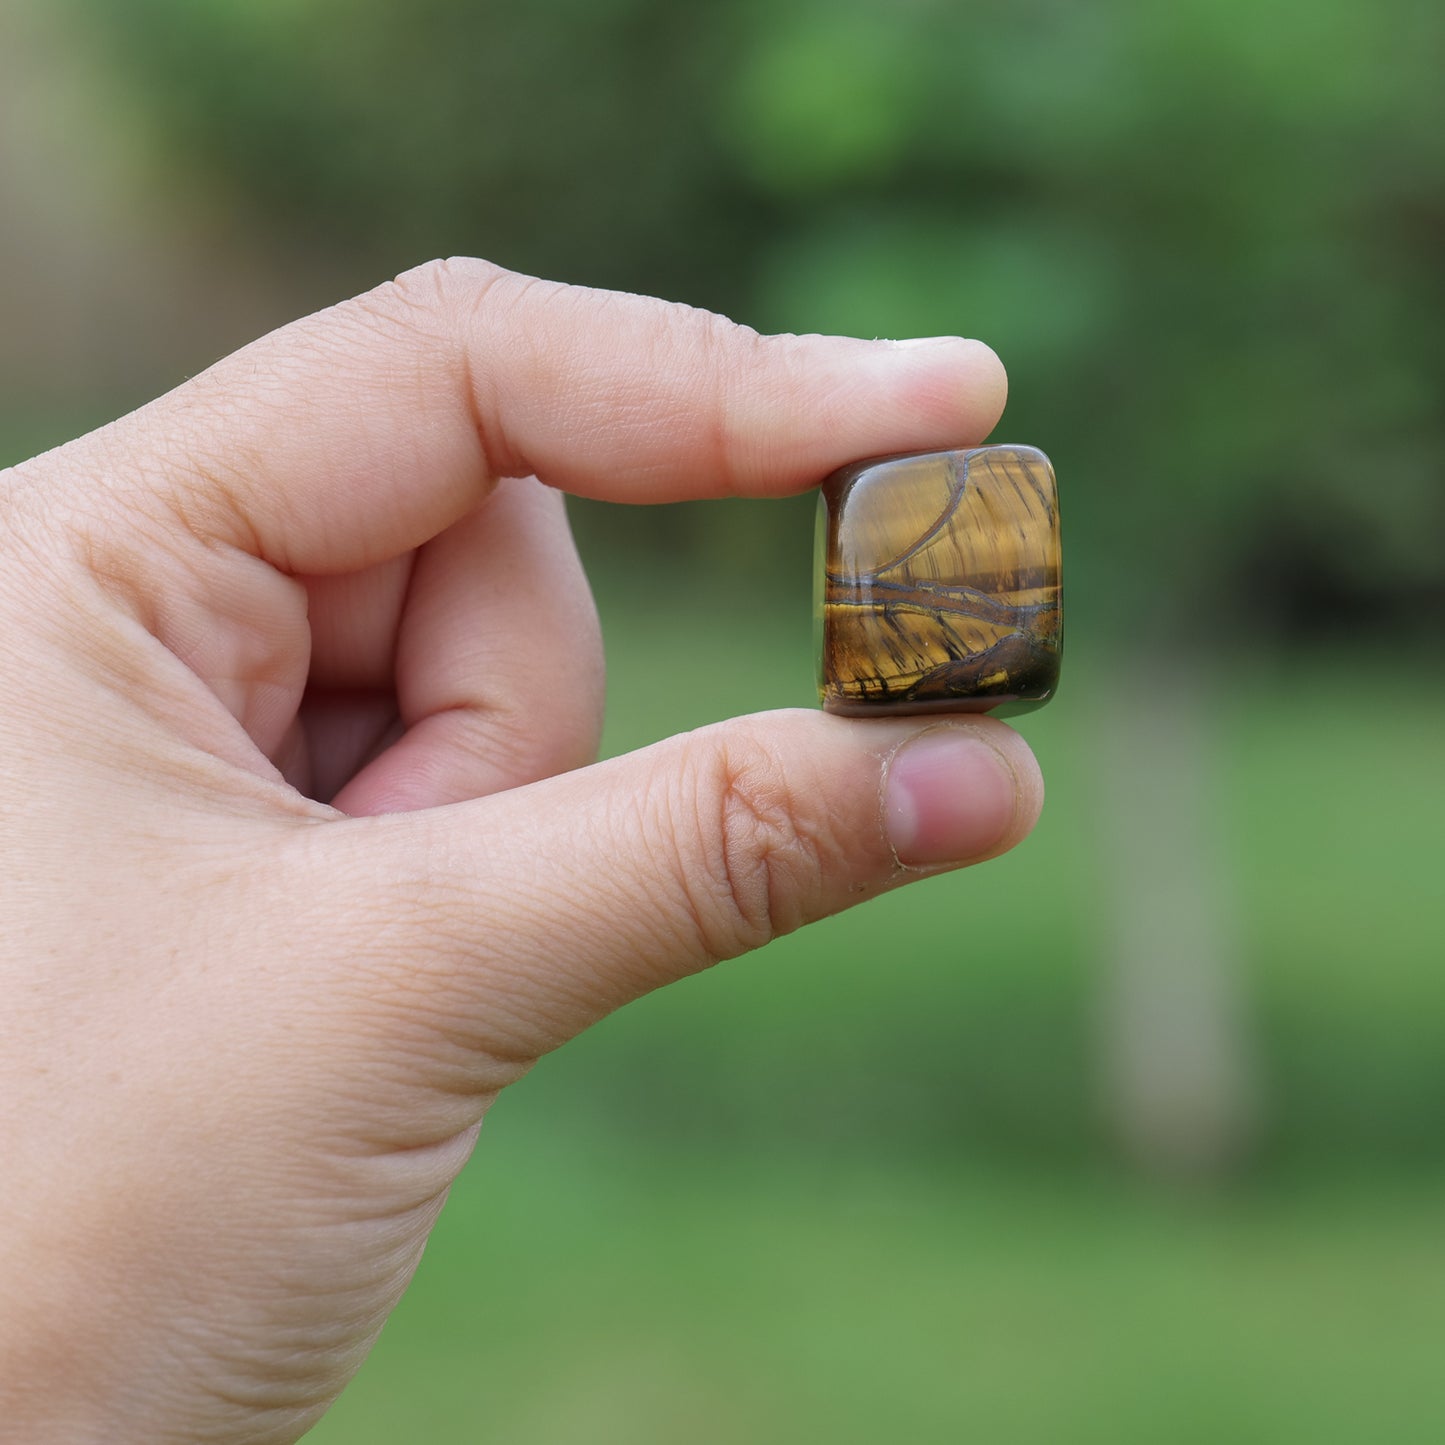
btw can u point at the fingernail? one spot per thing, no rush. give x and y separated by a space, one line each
948 797
912 341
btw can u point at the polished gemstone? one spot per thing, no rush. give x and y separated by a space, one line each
939 583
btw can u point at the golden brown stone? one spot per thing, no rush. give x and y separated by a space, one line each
939 583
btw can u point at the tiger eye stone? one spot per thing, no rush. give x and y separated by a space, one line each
939 583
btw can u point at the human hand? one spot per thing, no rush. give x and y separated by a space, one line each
300 864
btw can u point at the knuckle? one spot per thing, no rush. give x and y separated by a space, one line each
761 850
732 363
444 284
459 302
719 340
430 301
100 509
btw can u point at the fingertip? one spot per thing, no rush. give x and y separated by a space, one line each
1028 780
989 381
823 402
955 386
959 793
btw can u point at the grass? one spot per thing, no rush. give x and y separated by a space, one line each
597 1295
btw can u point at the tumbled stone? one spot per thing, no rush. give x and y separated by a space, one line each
939 583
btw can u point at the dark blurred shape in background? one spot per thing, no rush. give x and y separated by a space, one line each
1206 238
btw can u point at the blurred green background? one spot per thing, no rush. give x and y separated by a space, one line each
1136 1135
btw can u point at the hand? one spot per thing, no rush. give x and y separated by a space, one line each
300 863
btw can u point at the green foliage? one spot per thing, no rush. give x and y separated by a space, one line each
557 137
1205 236
819 107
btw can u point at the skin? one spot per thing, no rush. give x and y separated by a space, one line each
302 860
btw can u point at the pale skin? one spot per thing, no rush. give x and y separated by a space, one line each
303 855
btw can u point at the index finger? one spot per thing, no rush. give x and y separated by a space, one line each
361 432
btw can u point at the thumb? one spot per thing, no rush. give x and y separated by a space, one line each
526 916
